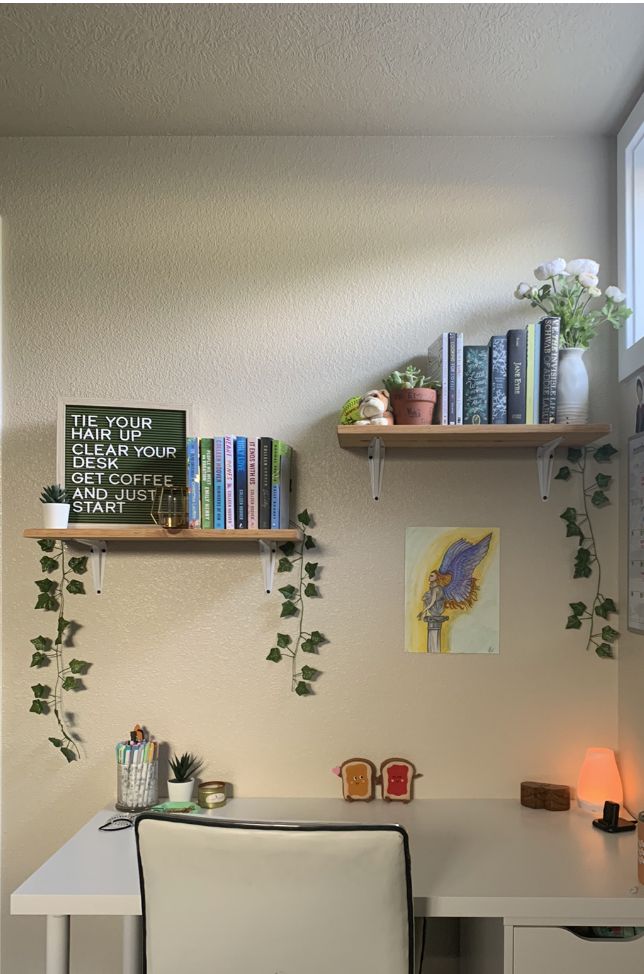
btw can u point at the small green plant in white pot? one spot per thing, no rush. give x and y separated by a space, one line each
55 506
184 768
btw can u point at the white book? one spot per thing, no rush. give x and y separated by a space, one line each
252 493
229 480
459 378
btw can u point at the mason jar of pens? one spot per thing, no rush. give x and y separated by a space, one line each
137 770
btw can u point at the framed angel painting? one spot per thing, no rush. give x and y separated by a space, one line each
452 590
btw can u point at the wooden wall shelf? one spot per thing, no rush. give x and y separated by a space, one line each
470 437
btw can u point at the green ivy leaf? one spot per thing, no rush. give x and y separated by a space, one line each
311 591
69 754
573 530
604 651
563 474
574 622
569 515
582 564
41 643
63 624
48 564
47 544
578 608
605 453
79 666
71 683
309 672
317 637
609 634
288 591
75 587
39 659
56 741
38 707
574 454
288 609
309 542
304 518
46 584
284 565
78 565
46 602
603 480
311 568
40 691
308 646
288 548
283 640
274 656
303 689
609 605
599 499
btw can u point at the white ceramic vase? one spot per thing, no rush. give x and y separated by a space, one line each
180 791
55 515
572 387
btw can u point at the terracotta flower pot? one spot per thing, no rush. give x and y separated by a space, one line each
413 407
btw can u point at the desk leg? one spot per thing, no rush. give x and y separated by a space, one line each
132 944
57 955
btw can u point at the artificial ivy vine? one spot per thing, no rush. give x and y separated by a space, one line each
579 525
293 606
49 651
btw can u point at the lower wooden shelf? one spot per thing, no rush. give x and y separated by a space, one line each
143 533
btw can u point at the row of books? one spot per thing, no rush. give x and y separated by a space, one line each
238 482
512 379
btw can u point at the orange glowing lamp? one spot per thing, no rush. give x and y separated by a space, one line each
599 780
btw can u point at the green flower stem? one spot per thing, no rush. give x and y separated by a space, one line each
56 698
298 640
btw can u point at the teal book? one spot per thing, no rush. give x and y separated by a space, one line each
476 379
205 455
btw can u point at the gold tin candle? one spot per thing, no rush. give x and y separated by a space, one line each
212 794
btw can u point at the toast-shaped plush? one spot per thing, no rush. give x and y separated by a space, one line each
397 780
358 780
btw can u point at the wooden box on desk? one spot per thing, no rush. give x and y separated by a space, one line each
538 794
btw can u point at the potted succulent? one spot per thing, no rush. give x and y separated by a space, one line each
568 290
56 506
184 767
413 396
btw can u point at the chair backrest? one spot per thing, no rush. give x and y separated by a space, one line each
236 898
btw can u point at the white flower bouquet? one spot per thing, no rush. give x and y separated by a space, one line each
567 292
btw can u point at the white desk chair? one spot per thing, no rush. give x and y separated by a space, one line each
232 898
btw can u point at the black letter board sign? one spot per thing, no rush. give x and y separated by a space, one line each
114 459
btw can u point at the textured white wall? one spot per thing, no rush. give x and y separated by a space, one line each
267 280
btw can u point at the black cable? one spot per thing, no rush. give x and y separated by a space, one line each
422 946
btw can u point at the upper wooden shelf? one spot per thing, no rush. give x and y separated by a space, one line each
467 437
142 533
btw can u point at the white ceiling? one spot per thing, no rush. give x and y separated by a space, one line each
328 69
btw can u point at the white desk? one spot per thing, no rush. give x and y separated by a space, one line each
470 858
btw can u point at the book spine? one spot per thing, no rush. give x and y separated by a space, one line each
459 379
205 454
285 484
498 367
252 486
451 384
529 372
241 484
194 482
265 460
475 384
516 375
229 480
275 484
536 408
219 479
549 368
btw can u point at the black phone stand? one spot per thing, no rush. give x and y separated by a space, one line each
610 820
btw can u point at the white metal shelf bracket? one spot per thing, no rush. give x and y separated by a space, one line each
267 555
376 457
97 557
545 464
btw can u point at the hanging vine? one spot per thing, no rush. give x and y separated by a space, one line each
49 651
579 525
293 607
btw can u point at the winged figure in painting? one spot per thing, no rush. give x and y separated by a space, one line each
452 587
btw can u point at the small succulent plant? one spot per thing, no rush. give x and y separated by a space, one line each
185 766
411 378
54 494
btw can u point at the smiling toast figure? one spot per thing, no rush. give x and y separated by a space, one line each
397 780
358 780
